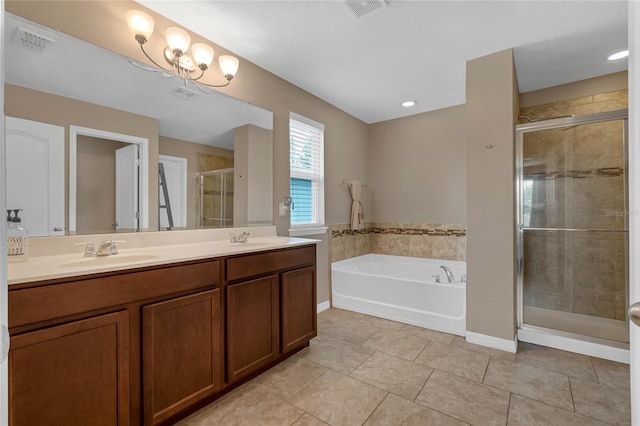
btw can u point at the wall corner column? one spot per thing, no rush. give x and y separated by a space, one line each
492 109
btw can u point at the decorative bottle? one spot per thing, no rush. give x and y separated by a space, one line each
17 240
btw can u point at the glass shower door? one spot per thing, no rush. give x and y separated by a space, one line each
573 222
216 199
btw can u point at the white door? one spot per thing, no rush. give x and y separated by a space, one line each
127 203
35 174
175 172
634 201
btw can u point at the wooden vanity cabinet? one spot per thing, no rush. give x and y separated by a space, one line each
76 344
182 353
252 326
299 306
71 373
271 307
150 345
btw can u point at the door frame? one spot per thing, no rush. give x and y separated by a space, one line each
74 132
634 200
4 290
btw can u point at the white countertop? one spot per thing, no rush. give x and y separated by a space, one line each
45 267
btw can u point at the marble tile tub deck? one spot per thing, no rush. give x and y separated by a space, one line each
363 370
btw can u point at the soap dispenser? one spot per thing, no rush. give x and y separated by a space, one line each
17 239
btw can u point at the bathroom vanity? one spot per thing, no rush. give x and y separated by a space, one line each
151 340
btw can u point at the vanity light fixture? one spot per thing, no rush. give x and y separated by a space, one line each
408 104
183 64
618 55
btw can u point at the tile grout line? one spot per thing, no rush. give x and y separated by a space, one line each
288 400
594 370
301 416
423 385
421 351
375 409
573 403
506 422
486 369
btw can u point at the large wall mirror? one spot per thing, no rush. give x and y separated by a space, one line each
101 143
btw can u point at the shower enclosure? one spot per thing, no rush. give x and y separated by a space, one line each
216 199
573 227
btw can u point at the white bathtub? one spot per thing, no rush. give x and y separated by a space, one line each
402 289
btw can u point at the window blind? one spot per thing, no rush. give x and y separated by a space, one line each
306 156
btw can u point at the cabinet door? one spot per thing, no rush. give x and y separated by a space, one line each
72 373
182 353
252 326
299 308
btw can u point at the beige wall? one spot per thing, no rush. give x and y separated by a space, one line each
419 168
491 112
96 185
253 175
47 108
190 151
102 23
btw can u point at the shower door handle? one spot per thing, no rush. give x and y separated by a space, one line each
634 313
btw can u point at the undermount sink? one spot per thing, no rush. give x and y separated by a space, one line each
110 260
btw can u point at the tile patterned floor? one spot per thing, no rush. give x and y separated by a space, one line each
362 370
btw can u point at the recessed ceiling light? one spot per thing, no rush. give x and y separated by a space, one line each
408 104
618 55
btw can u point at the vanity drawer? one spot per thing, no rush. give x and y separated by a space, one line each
36 304
254 265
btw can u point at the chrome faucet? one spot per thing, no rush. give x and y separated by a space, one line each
89 249
448 272
108 248
240 238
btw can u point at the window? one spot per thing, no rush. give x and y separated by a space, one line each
306 159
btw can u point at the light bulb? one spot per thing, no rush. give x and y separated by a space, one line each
228 66
177 39
202 54
618 55
140 24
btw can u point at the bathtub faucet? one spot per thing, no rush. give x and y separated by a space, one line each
448 272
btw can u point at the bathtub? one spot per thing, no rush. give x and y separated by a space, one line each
402 289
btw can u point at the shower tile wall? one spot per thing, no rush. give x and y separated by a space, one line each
207 163
576 185
399 239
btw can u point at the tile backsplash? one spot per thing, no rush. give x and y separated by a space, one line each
425 240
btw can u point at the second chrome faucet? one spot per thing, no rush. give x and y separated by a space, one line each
240 238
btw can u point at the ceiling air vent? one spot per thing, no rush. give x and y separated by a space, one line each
185 92
365 7
30 40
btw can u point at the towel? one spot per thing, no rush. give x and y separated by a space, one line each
357 213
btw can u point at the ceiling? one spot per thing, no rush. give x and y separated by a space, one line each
75 69
410 49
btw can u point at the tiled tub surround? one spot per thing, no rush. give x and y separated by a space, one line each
431 241
576 179
363 370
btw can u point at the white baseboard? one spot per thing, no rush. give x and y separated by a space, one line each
492 342
323 306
